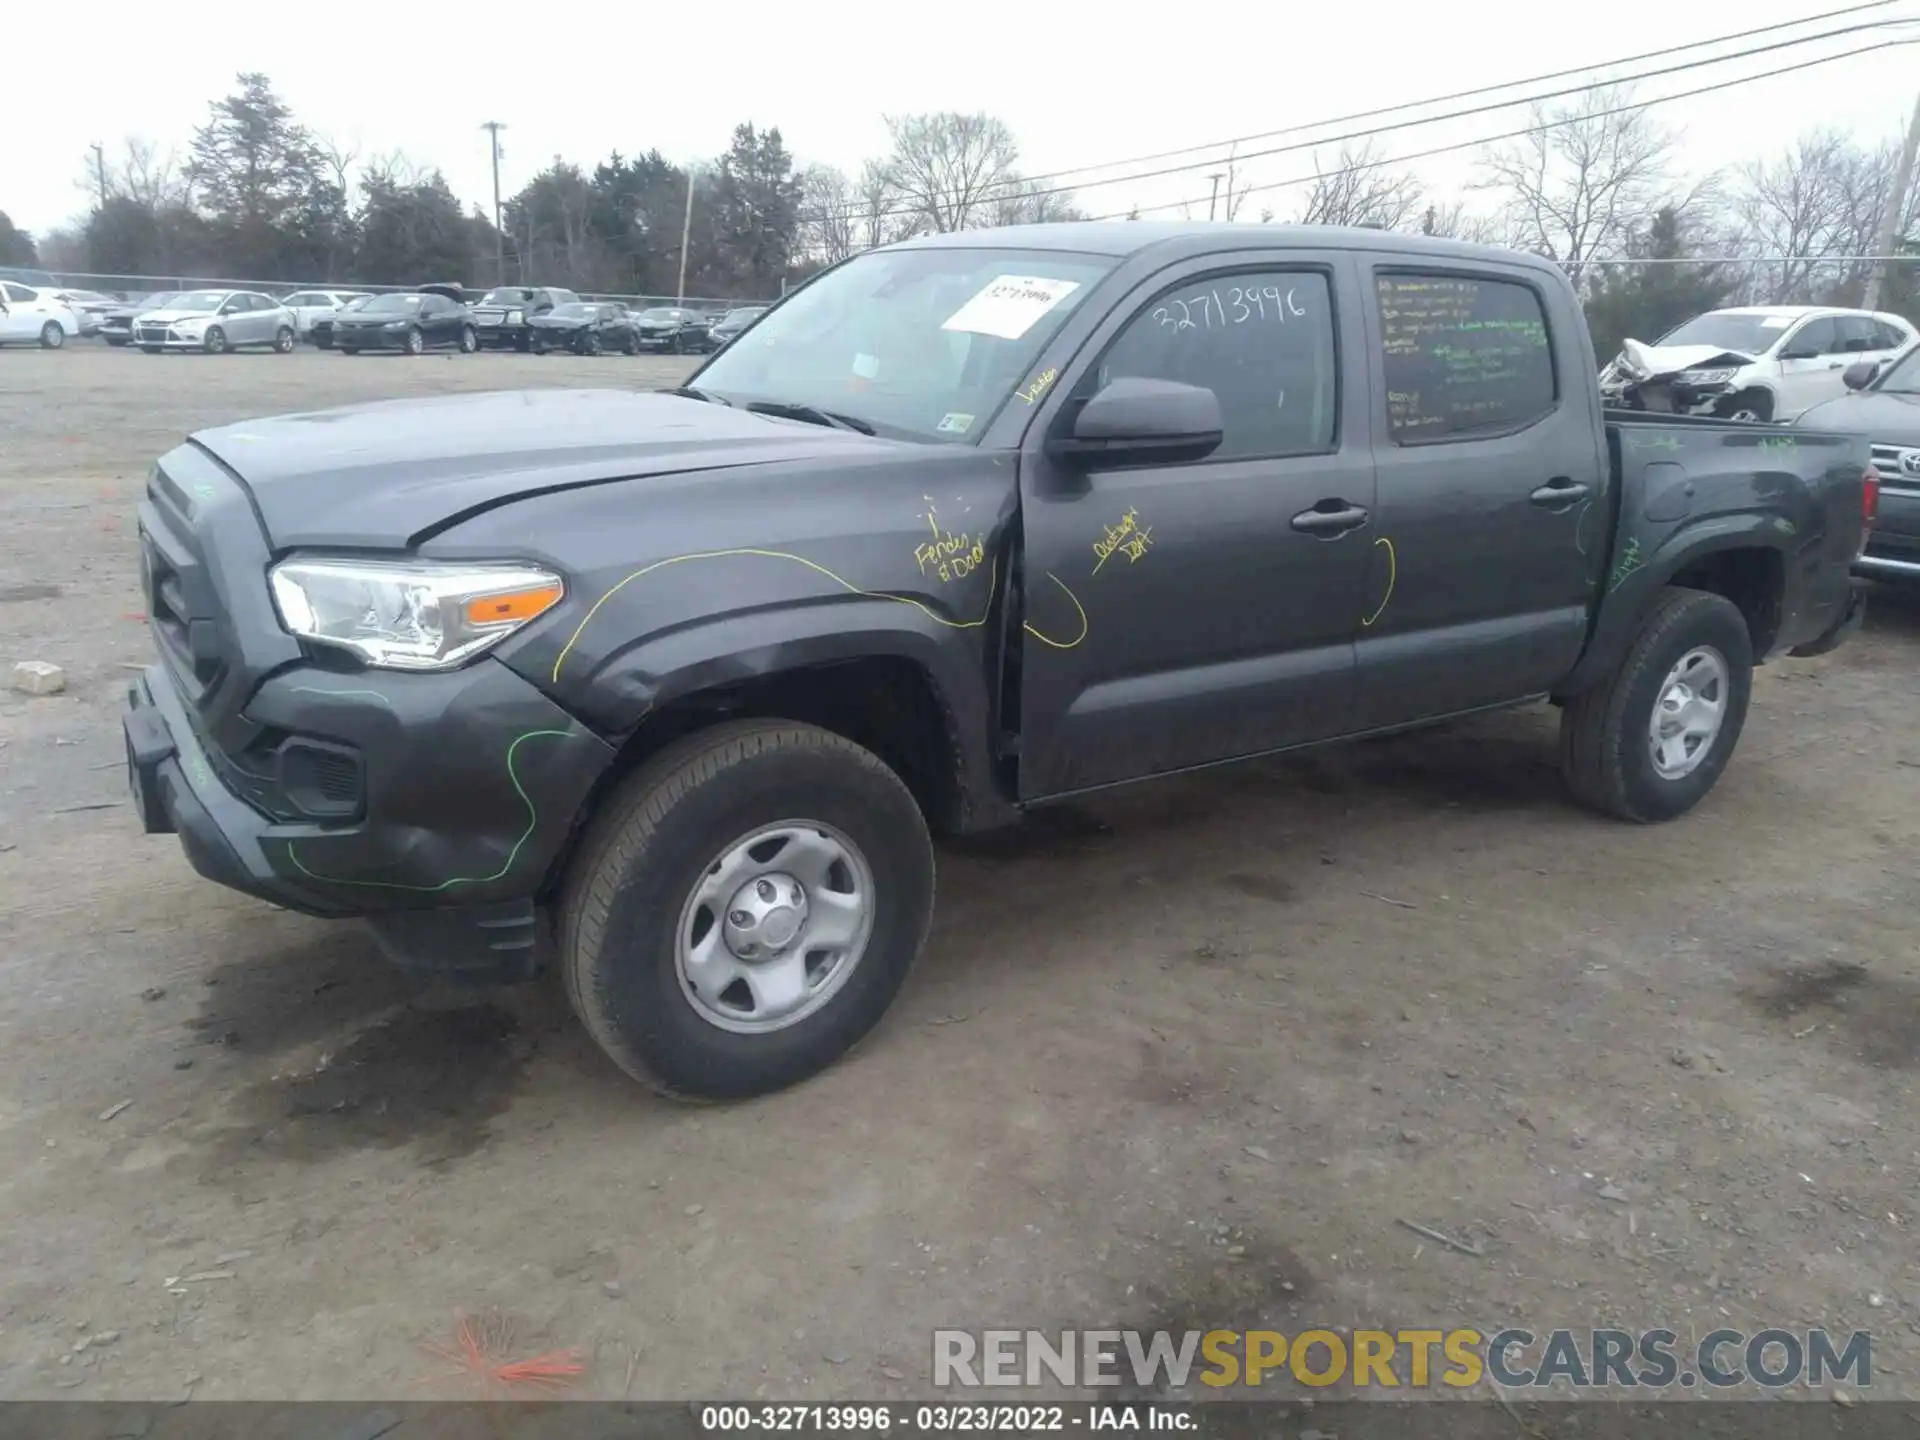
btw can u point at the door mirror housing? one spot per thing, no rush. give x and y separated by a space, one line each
1860 374
1139 421
1797 353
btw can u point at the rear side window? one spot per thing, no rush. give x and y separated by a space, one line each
1261 340
1462 355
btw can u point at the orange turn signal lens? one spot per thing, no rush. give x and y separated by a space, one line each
513 607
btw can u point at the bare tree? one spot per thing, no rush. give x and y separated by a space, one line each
1029 202
946 167
339 161
1586 176
148 174
829 215
1234 187
1359 189
1453 221
1796 208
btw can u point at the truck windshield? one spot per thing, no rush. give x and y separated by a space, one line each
918 344
1744 334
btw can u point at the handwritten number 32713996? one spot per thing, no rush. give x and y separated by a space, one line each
1237 305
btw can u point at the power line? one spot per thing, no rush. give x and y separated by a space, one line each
1528 129
856 213
1448 99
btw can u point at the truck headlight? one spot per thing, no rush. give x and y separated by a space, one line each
1713 375
410 615
516 317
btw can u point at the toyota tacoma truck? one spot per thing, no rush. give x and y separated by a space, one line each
671 689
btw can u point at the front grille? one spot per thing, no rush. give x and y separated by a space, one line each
1891 462
151 334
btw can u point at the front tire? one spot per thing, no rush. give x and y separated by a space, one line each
590 345
691 912
116 344
283 340
1648 743
215 342
52 337
469 341
1753 406
416 343
349 349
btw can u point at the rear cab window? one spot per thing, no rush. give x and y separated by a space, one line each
1464 357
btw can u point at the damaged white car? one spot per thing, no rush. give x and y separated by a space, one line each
1764 364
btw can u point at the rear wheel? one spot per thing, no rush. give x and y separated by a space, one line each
283 340
349 349
1650 741
216 341
744 908
150 349
52 337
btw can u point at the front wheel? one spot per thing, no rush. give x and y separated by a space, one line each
590 344
349 349
216 341
1753 406
114 341
52 337
283 340
416 342
1649 742
744 909
469 342
630 345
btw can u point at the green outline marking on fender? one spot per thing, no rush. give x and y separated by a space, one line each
533 820
340 694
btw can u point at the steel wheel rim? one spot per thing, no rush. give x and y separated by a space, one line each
774 927
1689 712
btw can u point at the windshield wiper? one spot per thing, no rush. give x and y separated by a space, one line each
812 414
691 392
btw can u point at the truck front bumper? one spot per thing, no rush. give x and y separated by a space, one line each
469 786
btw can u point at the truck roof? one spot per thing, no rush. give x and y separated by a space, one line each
1181 238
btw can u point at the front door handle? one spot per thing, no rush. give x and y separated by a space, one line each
1330 519
1558 493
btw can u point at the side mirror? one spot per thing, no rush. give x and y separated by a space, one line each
1860 374
1798 355
1140 421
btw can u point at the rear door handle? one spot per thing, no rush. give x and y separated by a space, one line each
1558 493
1330 519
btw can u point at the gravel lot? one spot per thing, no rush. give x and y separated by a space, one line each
1186 1056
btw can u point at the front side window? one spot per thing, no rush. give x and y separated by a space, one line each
922 344
1260 340
1462 356
1816 337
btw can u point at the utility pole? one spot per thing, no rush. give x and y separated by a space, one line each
100 172
1214 200
686 235
493 128
1890 221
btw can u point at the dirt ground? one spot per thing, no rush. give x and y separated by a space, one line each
1185 1057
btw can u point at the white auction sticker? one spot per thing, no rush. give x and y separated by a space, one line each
1010 305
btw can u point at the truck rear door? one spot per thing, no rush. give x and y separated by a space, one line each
1492 509
1178 614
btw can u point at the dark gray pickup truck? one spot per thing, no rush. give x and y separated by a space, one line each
678 684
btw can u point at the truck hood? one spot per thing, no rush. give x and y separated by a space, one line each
1883 416
1646 362
385 475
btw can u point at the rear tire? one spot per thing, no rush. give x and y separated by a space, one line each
324 340
52 337
632 902
1607 733
349 349
150 349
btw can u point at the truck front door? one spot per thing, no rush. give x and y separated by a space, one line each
1179 614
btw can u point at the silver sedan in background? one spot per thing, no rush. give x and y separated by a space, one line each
216 321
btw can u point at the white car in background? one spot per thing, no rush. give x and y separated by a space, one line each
216 321
34 316
1766 363
309 305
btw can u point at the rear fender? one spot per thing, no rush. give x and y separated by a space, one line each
1642 566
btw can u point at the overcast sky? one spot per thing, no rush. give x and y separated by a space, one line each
581 79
